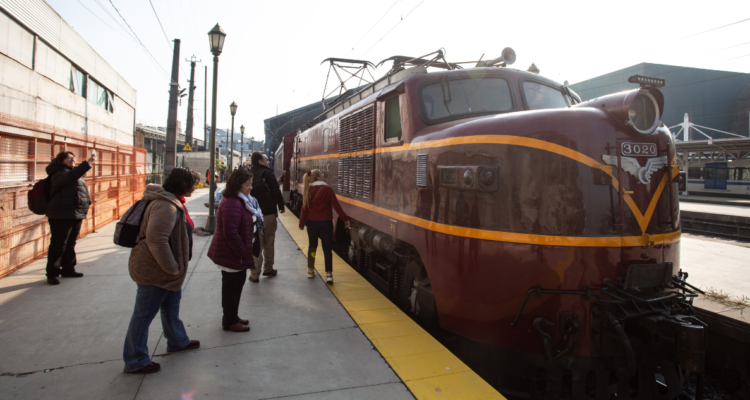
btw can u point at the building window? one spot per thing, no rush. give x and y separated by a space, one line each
392 120
99 95
16 42
77 80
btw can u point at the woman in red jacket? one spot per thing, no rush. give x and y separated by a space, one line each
317 200
232 247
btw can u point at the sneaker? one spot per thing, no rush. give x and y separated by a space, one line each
311 272
329 277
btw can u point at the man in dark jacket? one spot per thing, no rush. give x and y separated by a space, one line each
67 208
266 191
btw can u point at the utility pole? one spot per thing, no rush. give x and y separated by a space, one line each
170 148
191 91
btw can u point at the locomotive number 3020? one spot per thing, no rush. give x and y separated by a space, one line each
638 149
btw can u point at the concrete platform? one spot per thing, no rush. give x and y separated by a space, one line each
308 340
714 208
65 341
717 263
429 369
714 200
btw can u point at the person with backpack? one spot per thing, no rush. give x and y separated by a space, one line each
158 264
317 200
239 223
266 190
66 209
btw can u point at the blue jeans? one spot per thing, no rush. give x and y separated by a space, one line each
148 301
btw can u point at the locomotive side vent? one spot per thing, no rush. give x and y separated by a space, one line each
422 170
356 158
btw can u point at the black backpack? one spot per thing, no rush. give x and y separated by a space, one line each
39 196
260 188
128 227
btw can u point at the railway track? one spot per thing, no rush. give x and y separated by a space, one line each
723 226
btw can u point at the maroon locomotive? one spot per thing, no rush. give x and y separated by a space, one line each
493 202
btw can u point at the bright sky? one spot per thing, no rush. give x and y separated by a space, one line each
273 49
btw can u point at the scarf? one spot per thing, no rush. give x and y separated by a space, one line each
187 216
252 205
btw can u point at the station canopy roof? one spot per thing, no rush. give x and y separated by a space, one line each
714 150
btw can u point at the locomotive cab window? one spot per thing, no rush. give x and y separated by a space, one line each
538 96
464 98
392 120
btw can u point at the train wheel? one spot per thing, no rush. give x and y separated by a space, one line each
295 204
406 297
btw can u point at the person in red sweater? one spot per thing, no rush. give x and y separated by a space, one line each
317 200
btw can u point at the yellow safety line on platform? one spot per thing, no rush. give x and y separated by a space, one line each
428 369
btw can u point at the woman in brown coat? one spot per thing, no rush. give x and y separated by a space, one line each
158 265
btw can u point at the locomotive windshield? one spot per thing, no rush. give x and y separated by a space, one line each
539 97
460 98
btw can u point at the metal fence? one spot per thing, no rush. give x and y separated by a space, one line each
154 167
116 181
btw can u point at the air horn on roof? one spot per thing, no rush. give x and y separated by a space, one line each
508 57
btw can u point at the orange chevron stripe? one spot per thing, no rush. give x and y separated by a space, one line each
643 219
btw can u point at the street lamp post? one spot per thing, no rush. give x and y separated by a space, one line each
216 38
233 110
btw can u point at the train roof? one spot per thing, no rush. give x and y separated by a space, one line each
389 82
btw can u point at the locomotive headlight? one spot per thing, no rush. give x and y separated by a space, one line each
643 114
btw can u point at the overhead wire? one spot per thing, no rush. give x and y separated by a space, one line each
678 69
710 30
125 35
169 43
394 27
658 75
139 41
690 36
192 31
353 47
373 26
113 17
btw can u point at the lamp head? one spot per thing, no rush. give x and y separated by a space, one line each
233 108
216 39
242 129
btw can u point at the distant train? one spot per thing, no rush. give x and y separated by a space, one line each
495 203
720 178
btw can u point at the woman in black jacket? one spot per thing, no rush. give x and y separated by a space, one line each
67 208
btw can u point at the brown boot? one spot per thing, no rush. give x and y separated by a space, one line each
270 273
238 327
